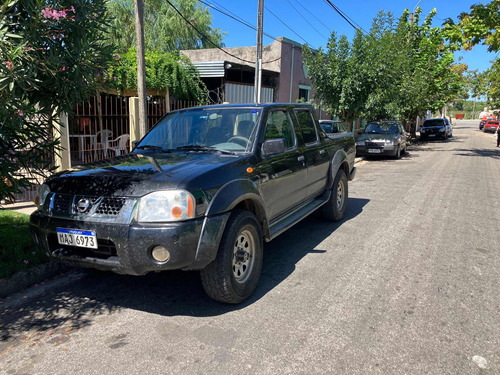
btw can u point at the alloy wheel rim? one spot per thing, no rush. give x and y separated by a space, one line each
243 256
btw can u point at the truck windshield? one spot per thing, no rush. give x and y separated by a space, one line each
224 129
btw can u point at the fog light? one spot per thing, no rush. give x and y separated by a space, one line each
160 254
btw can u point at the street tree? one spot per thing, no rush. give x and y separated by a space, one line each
340 75
164 29
50 55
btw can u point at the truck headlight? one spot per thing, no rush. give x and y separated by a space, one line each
43 192
360 143
166 205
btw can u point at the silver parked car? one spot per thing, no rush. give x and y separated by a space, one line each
382 138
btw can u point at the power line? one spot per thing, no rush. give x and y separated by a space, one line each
279 19
317 19
205 36
247 24
305 19
349 20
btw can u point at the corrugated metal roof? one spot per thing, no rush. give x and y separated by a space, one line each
210 68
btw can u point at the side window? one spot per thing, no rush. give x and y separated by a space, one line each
279 125
307 127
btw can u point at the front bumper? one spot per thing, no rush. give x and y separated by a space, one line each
491 129
386 150
126 248
434 135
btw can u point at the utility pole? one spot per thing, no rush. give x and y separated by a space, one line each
258 63
141 65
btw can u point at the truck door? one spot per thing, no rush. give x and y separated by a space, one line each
283 177
315 152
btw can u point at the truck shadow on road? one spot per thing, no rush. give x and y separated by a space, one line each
70 307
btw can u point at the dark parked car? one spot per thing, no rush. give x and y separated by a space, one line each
491 126
332 127
201 191
436 128
382 138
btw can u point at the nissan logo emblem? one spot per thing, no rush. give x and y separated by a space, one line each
83 205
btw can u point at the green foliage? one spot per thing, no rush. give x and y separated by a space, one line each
50 54
163 70
164 29
481 24
17 251
399 70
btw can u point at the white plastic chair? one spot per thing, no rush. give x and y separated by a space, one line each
102 141
119 144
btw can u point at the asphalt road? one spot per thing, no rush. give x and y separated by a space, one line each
408 283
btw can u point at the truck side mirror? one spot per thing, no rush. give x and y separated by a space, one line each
273 147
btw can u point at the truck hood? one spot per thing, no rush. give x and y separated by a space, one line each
136 174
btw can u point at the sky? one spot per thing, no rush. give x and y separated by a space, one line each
312 21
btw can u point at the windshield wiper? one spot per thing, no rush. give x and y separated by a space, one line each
152 147
204 148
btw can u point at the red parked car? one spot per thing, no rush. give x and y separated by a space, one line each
491 126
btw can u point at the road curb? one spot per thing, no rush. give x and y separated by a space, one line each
23 279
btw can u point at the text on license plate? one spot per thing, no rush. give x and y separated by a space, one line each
76 237
374 150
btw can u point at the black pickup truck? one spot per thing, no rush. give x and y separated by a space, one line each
201 191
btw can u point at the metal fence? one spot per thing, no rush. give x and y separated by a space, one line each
100 127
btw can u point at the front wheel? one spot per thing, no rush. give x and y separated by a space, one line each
233 275
336 206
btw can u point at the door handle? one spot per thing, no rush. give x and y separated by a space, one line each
301 158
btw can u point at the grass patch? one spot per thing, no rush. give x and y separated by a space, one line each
17 250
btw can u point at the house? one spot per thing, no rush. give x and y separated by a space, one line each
230 76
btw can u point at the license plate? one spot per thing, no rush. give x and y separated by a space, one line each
432 135
374 150
76 237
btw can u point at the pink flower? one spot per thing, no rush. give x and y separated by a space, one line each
62 13
26 261
55 15
9 65
20 113
47 13
117 56
72 9
114 78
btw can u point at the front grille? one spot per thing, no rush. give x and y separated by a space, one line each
373 144
62 202
110 206
105 249
67 204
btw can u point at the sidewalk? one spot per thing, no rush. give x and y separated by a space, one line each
22 207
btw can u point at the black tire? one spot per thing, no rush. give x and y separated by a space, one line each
233 275
336 206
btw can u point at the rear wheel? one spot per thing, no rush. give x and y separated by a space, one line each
233 275
336 206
